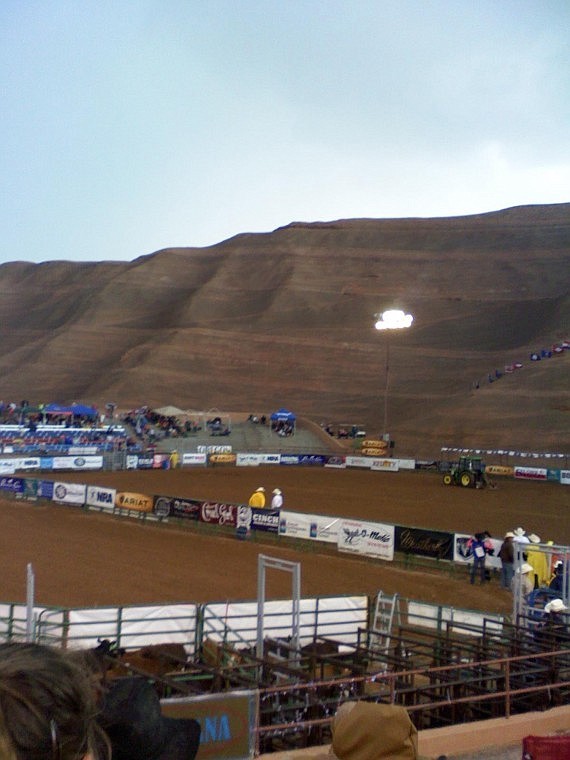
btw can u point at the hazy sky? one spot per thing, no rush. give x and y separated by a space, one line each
133 125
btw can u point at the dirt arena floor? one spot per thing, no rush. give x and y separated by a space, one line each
92 559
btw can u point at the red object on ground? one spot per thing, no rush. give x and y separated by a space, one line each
546 748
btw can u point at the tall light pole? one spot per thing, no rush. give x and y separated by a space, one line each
393 319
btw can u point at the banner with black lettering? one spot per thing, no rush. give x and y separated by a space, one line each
424 543
370 539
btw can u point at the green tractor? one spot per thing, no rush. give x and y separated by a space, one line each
469 472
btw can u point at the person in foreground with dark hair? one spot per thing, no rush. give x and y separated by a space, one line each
47 707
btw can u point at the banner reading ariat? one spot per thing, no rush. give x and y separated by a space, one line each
138 502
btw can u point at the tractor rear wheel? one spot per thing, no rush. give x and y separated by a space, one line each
466 479
447 479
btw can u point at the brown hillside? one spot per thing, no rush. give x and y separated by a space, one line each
286 318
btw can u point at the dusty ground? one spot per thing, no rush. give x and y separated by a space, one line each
91 559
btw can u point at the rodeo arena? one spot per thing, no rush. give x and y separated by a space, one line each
282 676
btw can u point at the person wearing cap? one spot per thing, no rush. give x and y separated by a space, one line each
257 498
132 718
277 500
538 560
557 580
507 556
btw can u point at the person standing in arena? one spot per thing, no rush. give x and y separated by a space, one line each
257 498
507 557
277 500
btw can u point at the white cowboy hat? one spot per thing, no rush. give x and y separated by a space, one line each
525 568
509 534
534 539
556 605
261 488
276 490
519 531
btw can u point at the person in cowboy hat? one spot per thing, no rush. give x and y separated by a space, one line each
522 582
257 498
277 500
553 629
132 719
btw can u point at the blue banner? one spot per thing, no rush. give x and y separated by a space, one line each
14 485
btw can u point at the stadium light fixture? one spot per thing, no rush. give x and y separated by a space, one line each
392 319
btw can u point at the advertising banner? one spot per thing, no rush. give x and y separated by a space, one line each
104 498
531 473
45 489
312 527
222 459
358 462
22 463
337 462
161 461
145 462
78 463
370 539
425 543
499 469
218 513
131 462
13 485
565 477
254 460
312 460
462 553
385 465
194 458
227 723
289 459
266 520
138 502
169 506
31 488
69 493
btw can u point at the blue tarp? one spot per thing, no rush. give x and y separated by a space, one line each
283 415
78 410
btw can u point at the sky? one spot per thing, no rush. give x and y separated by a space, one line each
129 126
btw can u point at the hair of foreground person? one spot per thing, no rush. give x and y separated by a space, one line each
47 706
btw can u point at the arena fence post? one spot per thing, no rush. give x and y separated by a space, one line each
30 591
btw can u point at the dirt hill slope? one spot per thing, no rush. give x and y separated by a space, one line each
286 318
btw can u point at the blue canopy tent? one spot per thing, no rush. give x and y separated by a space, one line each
283 418
74 410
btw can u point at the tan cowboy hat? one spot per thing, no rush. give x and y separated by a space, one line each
261 488
556 605
509 534
276 491
525 568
